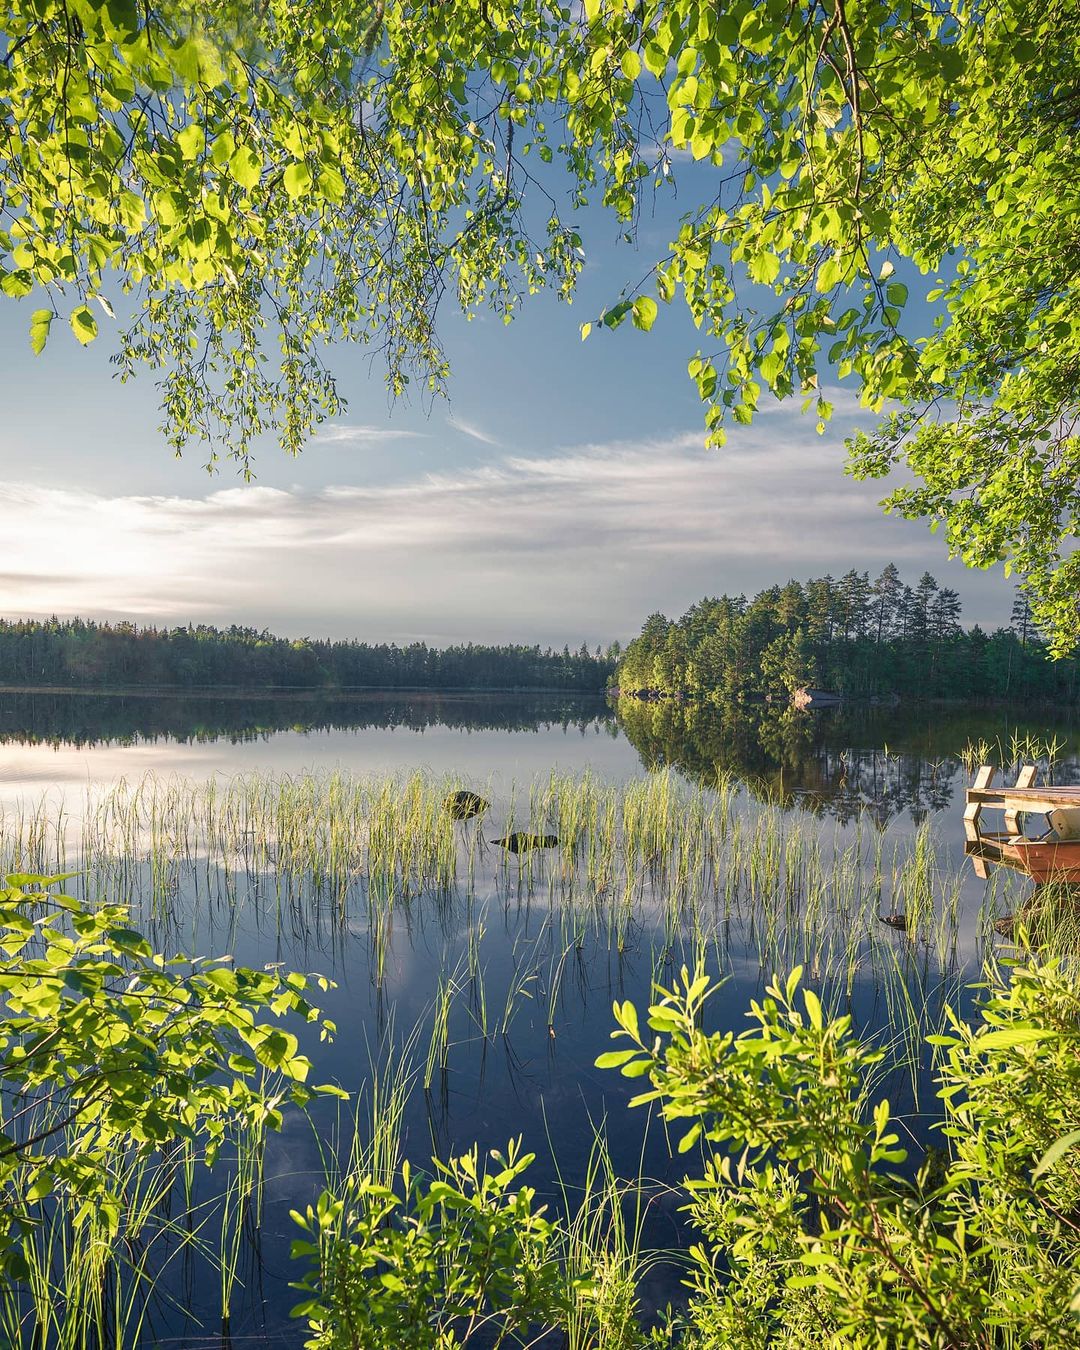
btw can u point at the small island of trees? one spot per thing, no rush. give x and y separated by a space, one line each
859 637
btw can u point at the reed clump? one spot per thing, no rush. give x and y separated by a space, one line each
318 858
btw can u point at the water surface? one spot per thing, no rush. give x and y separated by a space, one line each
795 832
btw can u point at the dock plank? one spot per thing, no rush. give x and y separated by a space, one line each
1024 799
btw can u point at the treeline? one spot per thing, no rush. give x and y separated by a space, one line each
80 654
853 635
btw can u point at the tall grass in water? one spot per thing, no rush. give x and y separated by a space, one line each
604 1253
313 857
94 1275
1018 748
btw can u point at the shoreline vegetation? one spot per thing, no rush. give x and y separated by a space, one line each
850 639
73 654
853 637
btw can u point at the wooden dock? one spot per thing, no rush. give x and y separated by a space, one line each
1041 859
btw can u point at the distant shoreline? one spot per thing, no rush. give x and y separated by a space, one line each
876 702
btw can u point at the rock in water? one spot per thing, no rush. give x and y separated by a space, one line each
524 843
464 805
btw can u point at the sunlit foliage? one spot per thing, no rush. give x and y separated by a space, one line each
307 173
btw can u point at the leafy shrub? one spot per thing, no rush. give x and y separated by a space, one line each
810 1232
814 1227
118 1068
440 1264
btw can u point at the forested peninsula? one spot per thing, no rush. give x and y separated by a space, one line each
854 636
77 653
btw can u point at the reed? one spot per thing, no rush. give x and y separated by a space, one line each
317 859
603 1252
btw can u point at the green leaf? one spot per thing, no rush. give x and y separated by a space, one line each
245 167
611 318
627 1017
645 311
614 1059
297 179
40 322
655 59
691 1137
631 63
1056 1152
331 184
17 284
223 148
192 141
1008 1037
84 325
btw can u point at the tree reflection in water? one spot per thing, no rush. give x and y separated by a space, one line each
841 762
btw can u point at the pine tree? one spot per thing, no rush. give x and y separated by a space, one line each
1020 620
944 614
924 598
886 592
853 601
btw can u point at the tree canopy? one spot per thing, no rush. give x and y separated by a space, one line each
849 634
324 171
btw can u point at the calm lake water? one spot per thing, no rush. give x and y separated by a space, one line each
794 832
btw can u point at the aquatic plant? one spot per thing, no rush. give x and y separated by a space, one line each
645 874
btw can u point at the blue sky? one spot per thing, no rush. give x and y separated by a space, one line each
562 495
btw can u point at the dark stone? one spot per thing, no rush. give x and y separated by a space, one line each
464 805
524 843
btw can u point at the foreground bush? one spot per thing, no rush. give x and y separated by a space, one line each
119 1071
810 1233
814 1227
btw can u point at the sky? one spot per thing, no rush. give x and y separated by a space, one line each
561 495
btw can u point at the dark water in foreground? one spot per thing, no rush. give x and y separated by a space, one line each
795 832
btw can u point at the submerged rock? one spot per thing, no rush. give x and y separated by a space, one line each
524 843
464 805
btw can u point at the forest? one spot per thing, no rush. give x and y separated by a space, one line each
78 653
855 636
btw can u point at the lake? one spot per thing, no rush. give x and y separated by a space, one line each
311 833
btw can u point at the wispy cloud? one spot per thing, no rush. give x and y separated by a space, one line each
341 433
474 432
581 543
